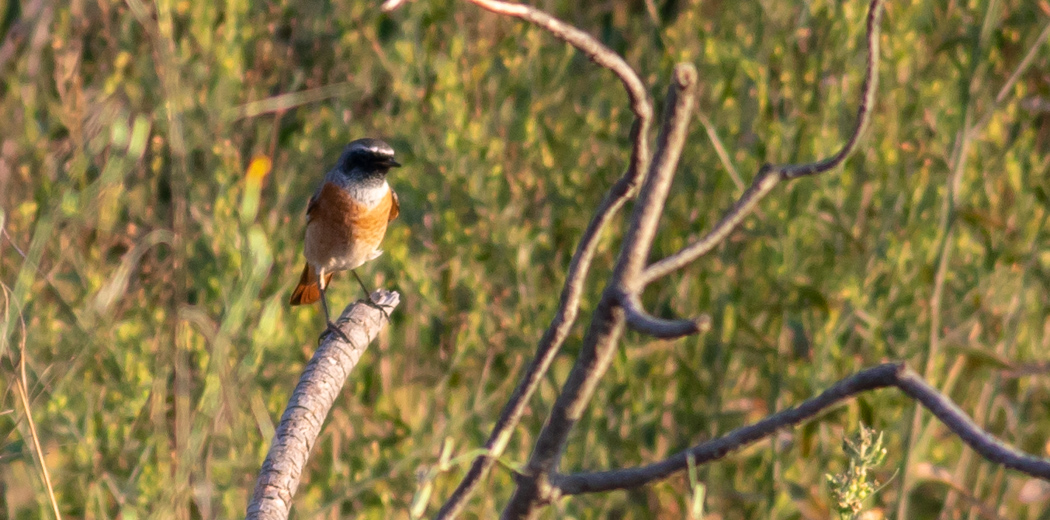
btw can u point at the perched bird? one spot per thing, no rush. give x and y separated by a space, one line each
346 220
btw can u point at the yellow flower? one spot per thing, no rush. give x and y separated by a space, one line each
259 168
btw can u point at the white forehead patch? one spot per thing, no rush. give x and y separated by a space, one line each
375 147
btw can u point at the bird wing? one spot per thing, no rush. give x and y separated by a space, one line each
395 206
312 205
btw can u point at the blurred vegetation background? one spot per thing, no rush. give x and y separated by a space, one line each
151 264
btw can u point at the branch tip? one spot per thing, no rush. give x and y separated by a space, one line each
685 75
641 321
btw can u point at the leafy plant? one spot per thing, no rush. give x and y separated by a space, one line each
857 483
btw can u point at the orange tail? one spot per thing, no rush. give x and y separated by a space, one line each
308 291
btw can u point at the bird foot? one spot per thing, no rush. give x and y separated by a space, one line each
371 303
332 329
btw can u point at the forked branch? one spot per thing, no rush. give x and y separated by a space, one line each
579 267
770 175
603 335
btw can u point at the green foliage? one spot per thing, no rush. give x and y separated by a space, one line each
153 271
855 485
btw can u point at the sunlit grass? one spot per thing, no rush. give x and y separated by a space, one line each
154 262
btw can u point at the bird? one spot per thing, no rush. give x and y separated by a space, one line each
346 220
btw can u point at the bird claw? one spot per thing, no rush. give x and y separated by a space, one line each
368 301
332 328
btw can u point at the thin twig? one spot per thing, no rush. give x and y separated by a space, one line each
1000 98
917 439
22 389
319 385
958 422
534 485
770 175
607 325
3 232
893 374
287 101
568 308
720 149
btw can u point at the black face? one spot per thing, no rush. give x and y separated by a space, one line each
368 156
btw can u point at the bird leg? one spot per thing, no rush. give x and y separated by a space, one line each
368 297
332 327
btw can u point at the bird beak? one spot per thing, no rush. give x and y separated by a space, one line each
392 163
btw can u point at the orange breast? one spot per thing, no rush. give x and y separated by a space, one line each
342 233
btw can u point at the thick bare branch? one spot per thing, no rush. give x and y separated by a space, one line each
681 98
873 378
568 308
770 175
320 384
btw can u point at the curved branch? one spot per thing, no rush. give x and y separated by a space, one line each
770 175
641 321
568 307
318 387
893 374
957 421
867 102
586 44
